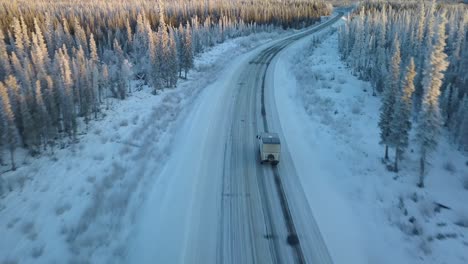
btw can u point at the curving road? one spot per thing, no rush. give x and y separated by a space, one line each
259 220
253 213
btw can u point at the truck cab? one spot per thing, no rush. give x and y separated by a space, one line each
270 148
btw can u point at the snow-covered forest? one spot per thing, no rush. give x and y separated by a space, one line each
60 61
415 54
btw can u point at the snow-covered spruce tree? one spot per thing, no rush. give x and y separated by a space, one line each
449 103
5 68
424 54
197 35
180 46
7 117
173 62
120 83
39 54
389 100
43 126
401 120
51 96
187 58
164 50
430 119
19 42
140 48
154 68
14 92
462 131
65 83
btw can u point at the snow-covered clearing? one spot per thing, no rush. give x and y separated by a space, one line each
365 213
80 204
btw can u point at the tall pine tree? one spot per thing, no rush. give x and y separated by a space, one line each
430 120
389 99
401 124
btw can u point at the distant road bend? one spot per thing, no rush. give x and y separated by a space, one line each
260 219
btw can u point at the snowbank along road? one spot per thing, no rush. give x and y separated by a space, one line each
261 220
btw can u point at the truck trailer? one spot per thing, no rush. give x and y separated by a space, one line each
270 148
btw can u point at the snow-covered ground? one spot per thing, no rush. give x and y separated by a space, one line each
90 201
365 213
81 204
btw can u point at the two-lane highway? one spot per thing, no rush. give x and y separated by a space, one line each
258 225
213 202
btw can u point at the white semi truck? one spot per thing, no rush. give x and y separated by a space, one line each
270 148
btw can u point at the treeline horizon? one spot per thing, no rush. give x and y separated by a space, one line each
61 60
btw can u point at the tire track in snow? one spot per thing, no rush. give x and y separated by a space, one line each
293 239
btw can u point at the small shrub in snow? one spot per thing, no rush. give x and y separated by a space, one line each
441 236
356 109
91 179
427 208
425 247
62 208
10 261
81 147
125 150
97 131
135 119
124 123
63 230
463 221
448 166
37 251
341 79
98 157
338 89
104 139
401 205
13 222
27 227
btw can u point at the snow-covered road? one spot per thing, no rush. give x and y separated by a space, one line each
214 202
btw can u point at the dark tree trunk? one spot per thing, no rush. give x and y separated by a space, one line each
12 156
421 172
386 152
396 160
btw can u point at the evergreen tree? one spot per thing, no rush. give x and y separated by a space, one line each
462 133
180 47
187 58
41 117
430 120
172 61
7 117
401 121
5 68
389 99
424 53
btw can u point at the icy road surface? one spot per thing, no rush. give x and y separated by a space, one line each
214 202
